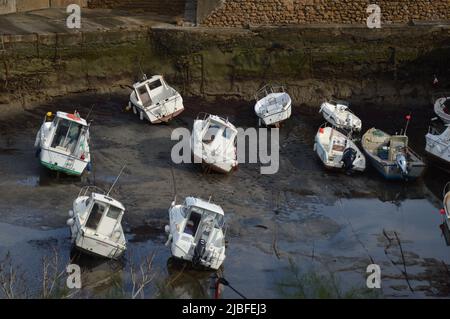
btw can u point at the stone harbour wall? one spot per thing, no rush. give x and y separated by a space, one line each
162 7
238 13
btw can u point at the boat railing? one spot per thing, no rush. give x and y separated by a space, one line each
440 94
89 189
269 89
203 116
337 101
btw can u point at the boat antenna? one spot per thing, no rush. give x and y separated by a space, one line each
408 118
144 76
117 178
90 111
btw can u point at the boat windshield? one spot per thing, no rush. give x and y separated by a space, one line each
95 216
66 135
154 85
114 212
211 133
198 215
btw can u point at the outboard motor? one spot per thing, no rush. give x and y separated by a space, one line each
348 158
401 162
199 251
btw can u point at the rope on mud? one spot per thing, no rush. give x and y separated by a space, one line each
360 242
354 232
274 243
403 260
392 261
225 282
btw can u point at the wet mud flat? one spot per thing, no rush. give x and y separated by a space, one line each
303 232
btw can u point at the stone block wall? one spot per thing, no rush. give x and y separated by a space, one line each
162 7
237 13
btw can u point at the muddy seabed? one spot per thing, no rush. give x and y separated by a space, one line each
303 232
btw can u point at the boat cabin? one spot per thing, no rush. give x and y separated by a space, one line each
153 91
215 128
385 146
201 218
69 132
102 215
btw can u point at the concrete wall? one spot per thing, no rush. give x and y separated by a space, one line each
7 6
12 6
29 5
235 13
65 3
162 7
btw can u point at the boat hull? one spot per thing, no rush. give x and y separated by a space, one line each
93 246
61 162
277 118
392 172
224 168
86 246
437 149
333 166
177 109
343 119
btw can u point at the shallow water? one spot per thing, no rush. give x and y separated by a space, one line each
302 222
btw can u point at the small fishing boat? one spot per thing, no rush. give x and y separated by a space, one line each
442 109
438 142
196 232
62 143
153 99
338 114
213 143
273 105
391 155
338 151
96 223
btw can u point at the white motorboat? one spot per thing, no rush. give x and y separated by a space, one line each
213 143
442 109
337 151
153 99
196 232
95 223
62 143
391 155
438 142
273 105
338 114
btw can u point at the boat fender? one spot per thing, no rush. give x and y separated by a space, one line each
348 158
89 167
71 213
38 139
70 222
199 251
